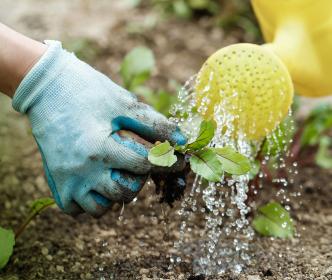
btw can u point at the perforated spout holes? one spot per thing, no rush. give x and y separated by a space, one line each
251 83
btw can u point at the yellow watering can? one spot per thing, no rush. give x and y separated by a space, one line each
300 33
255 83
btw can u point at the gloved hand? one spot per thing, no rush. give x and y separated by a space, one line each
75 113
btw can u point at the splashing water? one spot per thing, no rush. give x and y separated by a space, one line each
215 232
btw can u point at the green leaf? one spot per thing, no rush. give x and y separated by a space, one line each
206 164
133 3
273 220
280 139
318 122
232 161
199 4
136 67
324 156
205 135
161 100
7 242
310 135
84 48
162 155
40 204
182 9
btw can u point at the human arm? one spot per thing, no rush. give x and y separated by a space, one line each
18 53
76 114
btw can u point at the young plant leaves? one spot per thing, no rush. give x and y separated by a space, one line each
319 121
324 156
281 139
182 9
205 135
206 164
273 220
163 102
136 67
7 242
162 155
40 204
160 100
233 162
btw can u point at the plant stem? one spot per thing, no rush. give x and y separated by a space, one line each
31 216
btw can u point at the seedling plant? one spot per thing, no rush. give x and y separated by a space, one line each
8 237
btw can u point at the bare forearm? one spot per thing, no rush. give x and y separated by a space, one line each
18 54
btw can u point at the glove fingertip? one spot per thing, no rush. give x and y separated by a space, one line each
178 138
133 183
131 141
101 200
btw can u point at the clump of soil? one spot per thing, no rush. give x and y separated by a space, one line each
171 186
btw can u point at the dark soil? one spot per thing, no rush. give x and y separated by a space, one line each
138 245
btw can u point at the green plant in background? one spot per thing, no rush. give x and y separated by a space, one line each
238 14
133 3
324 156
273 220
228 14
281 139
136 67
8 237
317 133
136 70
316 125
309 142
186 9
208 162
84 48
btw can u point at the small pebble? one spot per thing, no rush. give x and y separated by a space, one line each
143 271
328 271
253 277
8 204
79 245
44 251
60 268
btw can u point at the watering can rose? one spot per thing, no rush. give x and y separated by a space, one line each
249 83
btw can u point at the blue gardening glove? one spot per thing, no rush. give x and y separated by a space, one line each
75 113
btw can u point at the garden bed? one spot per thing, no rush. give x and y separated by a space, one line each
138 246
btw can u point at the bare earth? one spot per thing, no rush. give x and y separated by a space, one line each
57 246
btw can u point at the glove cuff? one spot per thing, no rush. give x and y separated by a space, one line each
40 75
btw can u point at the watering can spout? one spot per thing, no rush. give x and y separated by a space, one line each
300 33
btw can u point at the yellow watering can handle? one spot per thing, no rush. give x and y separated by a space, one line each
300 33
293 45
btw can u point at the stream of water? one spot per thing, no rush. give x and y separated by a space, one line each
215 232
